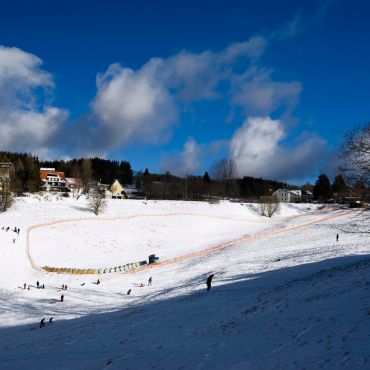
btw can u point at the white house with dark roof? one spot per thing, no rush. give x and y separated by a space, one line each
288 196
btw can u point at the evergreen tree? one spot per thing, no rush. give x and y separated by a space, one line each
322 190
339 187
206 178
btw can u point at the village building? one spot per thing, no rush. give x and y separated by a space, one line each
52 180
116 190
6 170
73 184
293 196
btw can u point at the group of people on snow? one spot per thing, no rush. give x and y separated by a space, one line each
42 322
150 280
16 229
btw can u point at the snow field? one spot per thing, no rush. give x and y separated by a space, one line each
296 299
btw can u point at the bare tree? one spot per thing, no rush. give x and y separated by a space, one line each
86 175
225 172
269 205
225 169
355 153
97 202
6 196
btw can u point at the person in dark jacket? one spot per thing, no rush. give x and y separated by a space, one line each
209 282
150 281
42 323
337 237
50 320
37 284
62 298
129 292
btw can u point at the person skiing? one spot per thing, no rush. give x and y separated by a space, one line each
24 286
209 282
37 284
62 298
42 323
337 237
98 282
150 281
43 286
62 286
50 320
65 287
129 292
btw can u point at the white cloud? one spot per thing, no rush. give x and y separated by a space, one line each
192 158
144 104
26 123
185 163
133 105
258 94
257 150
252 49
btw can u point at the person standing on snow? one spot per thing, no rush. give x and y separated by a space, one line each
50 320
37 284
42 323
209 282
337 237
62 298
150 281
129 292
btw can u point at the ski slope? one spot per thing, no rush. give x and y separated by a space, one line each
293 299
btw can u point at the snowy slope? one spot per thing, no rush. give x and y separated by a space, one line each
296 299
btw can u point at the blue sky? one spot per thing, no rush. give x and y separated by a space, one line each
178 85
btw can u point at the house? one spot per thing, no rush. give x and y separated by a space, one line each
52 180
116 190
307 196
291 196
6 170
73 184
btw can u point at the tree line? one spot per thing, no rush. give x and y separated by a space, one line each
26 177
353 179
168 186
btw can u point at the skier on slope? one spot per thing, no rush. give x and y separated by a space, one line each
129 292
209 282
150 281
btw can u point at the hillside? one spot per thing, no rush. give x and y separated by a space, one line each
284 295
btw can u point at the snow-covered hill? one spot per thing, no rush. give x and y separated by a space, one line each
291 297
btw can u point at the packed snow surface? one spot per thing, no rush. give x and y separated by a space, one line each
285 293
